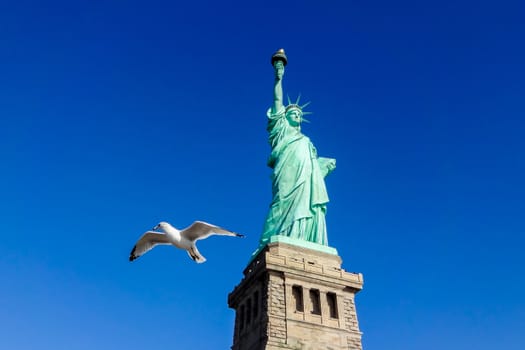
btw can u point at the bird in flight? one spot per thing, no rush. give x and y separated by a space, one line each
183 239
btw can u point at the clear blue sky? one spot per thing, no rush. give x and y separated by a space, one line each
118 114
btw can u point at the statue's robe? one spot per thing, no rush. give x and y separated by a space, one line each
299 193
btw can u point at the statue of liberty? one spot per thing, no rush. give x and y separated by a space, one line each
299 201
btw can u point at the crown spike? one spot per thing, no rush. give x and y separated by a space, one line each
306 104
298 99
306 113
289 102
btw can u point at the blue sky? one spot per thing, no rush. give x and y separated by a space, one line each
117 115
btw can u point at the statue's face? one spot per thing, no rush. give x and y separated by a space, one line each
294 117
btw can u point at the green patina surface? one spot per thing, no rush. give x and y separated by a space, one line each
299 195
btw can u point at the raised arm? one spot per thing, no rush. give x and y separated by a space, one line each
278 87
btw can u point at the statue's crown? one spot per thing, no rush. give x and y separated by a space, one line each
297 106
294 106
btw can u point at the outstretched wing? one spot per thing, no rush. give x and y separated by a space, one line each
200 230
147 242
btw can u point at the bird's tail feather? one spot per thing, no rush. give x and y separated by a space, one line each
195 255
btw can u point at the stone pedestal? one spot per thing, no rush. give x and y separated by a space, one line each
293 297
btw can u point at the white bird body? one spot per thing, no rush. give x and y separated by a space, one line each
183 239
176 238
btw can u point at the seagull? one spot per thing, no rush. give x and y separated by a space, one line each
184 239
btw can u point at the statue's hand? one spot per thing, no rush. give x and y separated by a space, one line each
279 69
331 165
327 165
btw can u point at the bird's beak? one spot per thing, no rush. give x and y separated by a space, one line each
156 227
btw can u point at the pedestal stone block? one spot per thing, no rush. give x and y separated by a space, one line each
292 297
